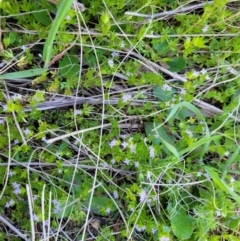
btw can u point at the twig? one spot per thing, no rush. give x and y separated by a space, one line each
63 102
30 211
155 36
15 230
33 165
59 56
169 13
156 66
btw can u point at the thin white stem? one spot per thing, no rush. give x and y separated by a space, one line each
169 13
43 212
30 212
14 229
96 34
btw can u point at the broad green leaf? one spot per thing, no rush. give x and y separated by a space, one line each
183 114
162 95
66 208
99 202
160 136
13 37
69 66
149 126
43 17
90 60
233 223
161 48
176 64
182 225
237 172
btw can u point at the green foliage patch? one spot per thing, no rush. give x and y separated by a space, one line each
119 120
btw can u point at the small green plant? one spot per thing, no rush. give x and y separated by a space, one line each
119 120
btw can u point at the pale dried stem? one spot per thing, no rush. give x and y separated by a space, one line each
14 229
152 36
169 13
65 102
33 165
208 109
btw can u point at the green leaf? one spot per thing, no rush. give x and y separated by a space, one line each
99 202
233 223
221 183
105 17
170 147
182 225
229 162
176 64
199 42
69 66
13 37
162 48
163 95
20 75
183 114
43 17
141 32
197 112
188 105
220 3
202 141
61 13
149 126
164 138
105 28
66 209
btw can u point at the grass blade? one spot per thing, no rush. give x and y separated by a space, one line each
20 75
229 162
61 13
221 184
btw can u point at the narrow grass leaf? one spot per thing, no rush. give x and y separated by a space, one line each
190 107
15 76
170 147
198 113
237 172
61 13
229 162
221 184
199 143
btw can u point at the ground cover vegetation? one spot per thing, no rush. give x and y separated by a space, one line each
119 120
